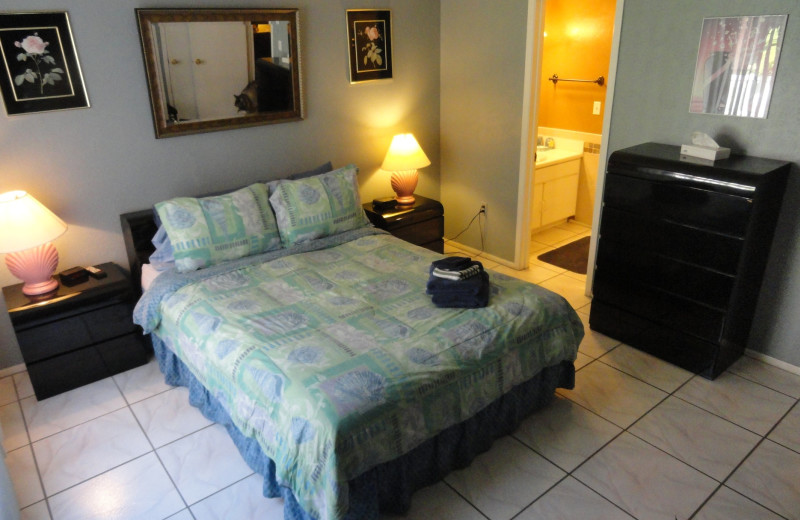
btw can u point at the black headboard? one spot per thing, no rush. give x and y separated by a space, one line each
138 228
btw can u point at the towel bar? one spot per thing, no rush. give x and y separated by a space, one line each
555 79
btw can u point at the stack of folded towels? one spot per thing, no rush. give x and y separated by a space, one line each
458 281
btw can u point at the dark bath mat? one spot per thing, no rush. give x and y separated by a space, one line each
572 257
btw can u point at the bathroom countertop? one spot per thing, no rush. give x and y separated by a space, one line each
555 156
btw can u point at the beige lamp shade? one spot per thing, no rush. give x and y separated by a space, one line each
26 229
404 157
25 222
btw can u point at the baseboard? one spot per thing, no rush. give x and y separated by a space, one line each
477 253
769 360
10 371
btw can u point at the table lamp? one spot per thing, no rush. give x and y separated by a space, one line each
26 229
403 158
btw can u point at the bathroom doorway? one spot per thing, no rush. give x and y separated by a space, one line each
576 44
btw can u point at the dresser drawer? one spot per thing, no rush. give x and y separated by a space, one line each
659 307
624 263
65 335
703 209
687 244
666 343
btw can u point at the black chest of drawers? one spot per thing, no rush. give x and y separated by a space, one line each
682 251
77 335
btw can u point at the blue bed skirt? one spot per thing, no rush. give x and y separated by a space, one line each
386 488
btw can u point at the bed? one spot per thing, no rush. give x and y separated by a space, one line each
307 333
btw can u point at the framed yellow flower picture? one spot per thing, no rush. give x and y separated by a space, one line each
40 69
369 34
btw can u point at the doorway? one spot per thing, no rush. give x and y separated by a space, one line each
567 115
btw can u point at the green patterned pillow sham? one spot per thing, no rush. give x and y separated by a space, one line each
212 230
318 206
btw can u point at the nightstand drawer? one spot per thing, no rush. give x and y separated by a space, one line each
86 365
65 335
65 372
53 338
110 322
422 232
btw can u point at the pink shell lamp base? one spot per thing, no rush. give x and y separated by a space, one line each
35 267
404 183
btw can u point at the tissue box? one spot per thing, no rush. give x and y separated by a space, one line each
705 152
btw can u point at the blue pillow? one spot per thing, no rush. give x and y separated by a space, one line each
163 257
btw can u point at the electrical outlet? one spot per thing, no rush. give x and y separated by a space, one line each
483 208
596 108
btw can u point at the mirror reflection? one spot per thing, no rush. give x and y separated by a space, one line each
217 69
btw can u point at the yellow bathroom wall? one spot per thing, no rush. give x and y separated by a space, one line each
577 45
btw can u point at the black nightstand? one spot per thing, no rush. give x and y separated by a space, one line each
77 335
421 223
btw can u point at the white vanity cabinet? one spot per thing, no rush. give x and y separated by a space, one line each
555 192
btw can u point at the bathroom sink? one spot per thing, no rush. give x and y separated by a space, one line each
555 156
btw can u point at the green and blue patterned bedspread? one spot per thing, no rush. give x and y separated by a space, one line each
335 360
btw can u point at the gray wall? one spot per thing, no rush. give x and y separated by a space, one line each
658 50
483 65
90 165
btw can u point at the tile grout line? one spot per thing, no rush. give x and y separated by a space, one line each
744 376
465 499
33 452
154 450
720 484
736 424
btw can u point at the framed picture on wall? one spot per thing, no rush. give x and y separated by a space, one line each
737 61
369 34
40 70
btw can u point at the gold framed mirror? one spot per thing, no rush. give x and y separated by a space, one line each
217 69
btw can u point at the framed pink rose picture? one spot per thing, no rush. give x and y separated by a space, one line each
40 68
369 34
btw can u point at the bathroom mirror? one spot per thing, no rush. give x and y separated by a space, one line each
217 69
736 65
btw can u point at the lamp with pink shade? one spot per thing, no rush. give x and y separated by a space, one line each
26 230
403 159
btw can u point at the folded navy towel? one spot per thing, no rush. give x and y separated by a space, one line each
476 295
468 286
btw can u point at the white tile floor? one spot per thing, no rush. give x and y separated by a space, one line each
636 438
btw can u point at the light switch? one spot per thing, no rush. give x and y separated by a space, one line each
596 108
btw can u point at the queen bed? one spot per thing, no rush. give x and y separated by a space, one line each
307 333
